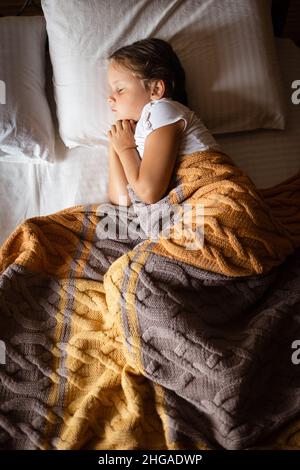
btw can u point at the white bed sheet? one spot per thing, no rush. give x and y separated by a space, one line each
271 156
80 175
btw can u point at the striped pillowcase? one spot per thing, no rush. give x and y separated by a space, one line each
227 49
26 127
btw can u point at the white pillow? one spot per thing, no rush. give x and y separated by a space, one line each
26 128
227 49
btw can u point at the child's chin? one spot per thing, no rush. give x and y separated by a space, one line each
121 117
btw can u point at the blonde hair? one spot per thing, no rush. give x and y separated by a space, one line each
154 59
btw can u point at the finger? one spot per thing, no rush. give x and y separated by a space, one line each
119 124
133 124
126 124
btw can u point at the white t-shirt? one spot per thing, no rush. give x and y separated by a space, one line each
158 113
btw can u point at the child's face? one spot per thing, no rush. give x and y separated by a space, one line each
127 93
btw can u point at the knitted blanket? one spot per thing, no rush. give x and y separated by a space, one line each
156 326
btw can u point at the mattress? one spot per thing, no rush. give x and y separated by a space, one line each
80 175
271 156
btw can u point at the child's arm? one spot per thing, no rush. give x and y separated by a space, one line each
150 179
117 185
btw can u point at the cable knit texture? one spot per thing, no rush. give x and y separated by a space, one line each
116 339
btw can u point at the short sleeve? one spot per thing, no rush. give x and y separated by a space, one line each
161 113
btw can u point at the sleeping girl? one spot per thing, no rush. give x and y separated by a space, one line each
153 122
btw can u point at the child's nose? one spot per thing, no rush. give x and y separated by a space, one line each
110 99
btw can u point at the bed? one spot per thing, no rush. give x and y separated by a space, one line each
88 366
76 178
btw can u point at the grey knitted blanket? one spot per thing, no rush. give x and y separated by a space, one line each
117 339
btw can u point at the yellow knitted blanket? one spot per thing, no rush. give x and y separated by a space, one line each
118 339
